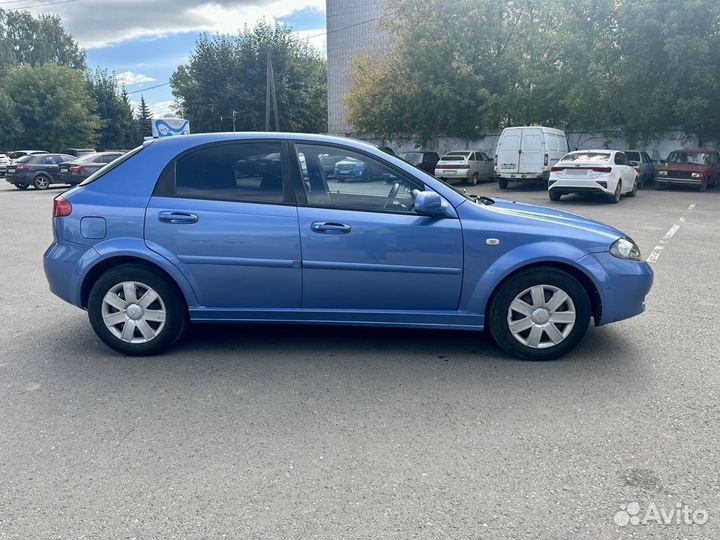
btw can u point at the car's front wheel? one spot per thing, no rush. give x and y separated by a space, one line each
539 314
135 311
503 183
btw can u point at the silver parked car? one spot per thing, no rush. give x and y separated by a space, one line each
644 166
468 165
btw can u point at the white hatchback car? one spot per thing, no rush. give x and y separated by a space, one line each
601 172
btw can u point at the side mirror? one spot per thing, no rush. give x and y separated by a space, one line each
634 164
429 203
662 162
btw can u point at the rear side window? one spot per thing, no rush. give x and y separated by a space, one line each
240 172
102 172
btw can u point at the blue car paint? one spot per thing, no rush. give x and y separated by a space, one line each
398 270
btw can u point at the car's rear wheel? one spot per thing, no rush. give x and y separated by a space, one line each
633 193
539 314
41 182
554 195
503 183
21 186
135 311
474 179
615 198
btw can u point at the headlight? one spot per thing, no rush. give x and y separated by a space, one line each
624 248
662 173
697 175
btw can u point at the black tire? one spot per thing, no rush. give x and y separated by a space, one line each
633 193
474 179
615 197
503 183
641 185
21 187
176 319
42 182
506 293
554 195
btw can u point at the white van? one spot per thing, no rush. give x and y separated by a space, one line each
528 153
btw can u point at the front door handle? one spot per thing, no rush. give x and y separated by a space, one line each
330 228
177 218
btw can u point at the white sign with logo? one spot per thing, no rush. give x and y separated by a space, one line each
169 127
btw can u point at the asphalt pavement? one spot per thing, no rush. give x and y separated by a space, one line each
326 432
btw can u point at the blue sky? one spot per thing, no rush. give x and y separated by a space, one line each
144 41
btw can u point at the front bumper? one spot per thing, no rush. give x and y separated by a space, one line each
679 181
622 285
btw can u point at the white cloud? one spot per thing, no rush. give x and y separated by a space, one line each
129 78
115 21
162 108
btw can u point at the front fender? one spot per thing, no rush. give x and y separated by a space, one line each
476 295
135 247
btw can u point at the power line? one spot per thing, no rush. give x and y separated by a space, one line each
148 88
41 5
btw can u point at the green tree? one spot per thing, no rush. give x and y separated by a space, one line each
54 106
227 73
144 117
117 129
26 40
10 127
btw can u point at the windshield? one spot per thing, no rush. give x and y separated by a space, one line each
633 156
694 158
586 157
23 159
119 161
455 156
85 157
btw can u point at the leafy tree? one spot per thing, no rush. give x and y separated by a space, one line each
144 116
117 126
227 73
10 128
53 105
26 40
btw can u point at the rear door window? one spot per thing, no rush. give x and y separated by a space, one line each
240 172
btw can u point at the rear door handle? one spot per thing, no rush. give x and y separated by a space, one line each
177 218
330 228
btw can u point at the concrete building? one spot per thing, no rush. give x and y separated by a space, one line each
352 30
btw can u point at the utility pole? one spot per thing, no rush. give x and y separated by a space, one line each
270 94
234 115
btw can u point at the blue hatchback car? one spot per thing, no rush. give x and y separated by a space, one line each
256 228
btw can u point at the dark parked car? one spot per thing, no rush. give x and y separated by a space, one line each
75 171
424 161
40 170
644 166
699 167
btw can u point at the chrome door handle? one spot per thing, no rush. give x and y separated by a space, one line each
177 218
330 228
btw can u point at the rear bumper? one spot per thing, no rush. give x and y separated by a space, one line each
522 177
64 264
622 284
19 179
448 174
565 187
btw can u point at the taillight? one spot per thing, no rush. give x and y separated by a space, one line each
602 169
637 170
547 160
22 168
557 169
77 169
61 207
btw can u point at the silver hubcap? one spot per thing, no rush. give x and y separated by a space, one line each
42 183
541 317
133 312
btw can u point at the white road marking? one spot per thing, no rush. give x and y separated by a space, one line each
657 250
